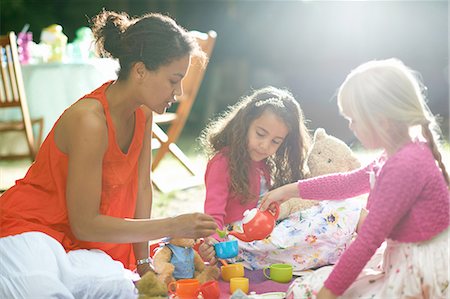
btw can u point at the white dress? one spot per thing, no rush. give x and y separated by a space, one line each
397 270
34 265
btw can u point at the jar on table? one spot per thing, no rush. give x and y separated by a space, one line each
57 40
24 43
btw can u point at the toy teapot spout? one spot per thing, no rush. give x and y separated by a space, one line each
241 236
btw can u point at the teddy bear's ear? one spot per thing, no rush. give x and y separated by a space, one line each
319 134
355 163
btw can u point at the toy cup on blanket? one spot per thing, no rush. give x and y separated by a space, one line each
239 283
279 272
232 270
210 290
227 249
191 288
185 288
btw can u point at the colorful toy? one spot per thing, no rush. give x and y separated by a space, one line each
177 259
168 269
226 250
257 224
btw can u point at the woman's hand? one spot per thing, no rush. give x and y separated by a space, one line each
279 195
325 293
143 268
193 226
207 251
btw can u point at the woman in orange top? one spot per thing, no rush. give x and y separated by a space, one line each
81 215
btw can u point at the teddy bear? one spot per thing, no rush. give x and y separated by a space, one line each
150 287
178 259
175 259
327 155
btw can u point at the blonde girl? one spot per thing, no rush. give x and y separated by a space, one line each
409 193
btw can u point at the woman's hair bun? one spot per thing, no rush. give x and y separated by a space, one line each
108 27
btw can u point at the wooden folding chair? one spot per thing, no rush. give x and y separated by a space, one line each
12 95
164 141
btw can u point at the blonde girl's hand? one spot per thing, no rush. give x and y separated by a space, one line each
279 195
193 226
325 293
207 251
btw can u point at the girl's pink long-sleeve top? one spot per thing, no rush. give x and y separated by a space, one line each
409 202
221 203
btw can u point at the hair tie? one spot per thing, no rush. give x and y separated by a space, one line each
141 51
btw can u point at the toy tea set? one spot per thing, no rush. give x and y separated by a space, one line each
256 225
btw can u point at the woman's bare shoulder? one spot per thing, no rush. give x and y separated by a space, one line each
83 121
85 112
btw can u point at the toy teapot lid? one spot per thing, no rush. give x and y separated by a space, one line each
249 215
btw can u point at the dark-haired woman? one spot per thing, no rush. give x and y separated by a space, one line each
80 218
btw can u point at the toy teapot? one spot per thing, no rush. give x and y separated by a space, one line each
257 225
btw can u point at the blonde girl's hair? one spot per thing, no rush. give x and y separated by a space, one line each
230 131
387 89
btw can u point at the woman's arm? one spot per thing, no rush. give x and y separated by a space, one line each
85 148
145 191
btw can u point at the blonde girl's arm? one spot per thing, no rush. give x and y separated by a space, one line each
279 195
145 191
330 186
85 148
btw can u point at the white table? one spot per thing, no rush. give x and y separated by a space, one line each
52 87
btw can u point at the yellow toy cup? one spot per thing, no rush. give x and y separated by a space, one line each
279 272
232 270
239 283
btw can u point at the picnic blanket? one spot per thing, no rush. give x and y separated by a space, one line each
257 283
